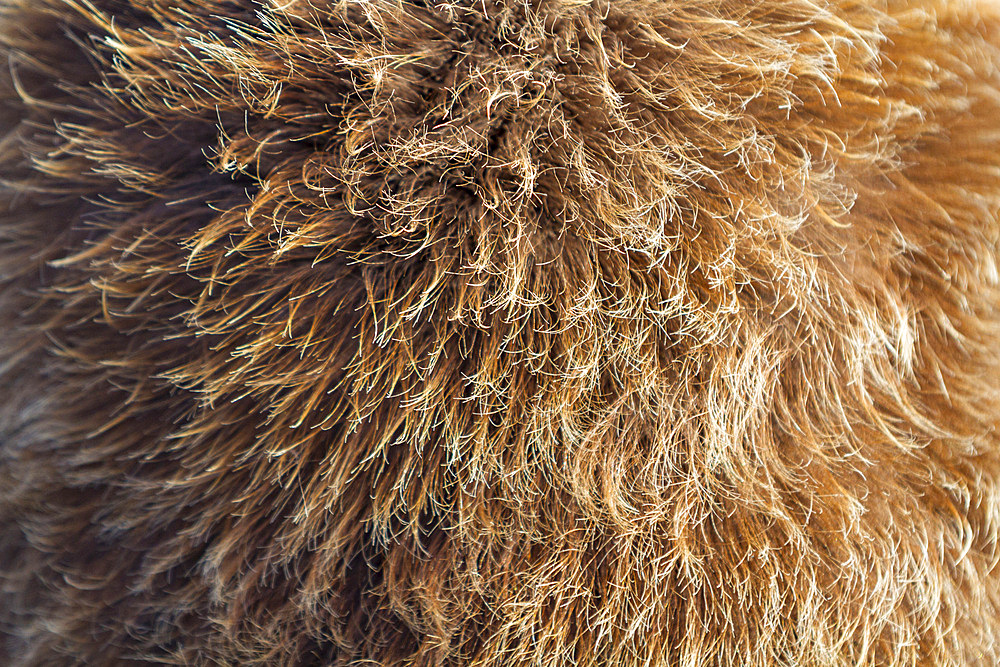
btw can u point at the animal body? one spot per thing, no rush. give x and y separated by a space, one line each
500 332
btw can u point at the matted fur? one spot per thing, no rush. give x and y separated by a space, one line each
538 332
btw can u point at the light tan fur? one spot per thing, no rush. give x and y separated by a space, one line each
553 332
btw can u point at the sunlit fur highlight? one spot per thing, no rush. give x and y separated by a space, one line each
551 332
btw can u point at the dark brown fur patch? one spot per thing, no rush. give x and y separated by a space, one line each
552 332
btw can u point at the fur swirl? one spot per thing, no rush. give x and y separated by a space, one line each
495 332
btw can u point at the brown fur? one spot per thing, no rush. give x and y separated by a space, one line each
540 332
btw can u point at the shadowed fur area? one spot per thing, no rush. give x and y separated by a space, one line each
500 332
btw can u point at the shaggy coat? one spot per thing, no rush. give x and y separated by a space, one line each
500 332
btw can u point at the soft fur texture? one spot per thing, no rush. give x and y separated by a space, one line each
500 332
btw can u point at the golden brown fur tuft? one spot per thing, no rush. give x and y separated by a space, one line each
496 332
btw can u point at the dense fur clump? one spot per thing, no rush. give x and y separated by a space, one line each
496 332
